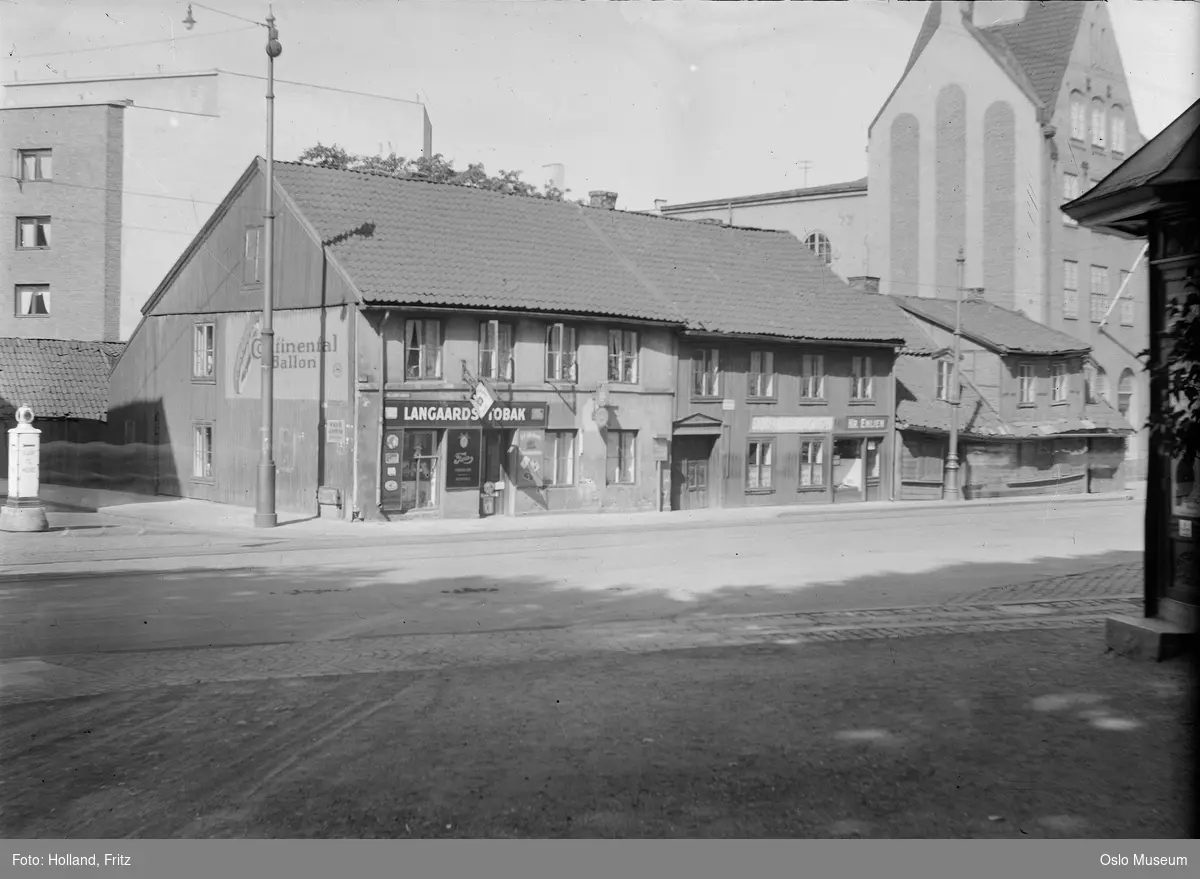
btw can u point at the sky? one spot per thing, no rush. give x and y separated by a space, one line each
679 100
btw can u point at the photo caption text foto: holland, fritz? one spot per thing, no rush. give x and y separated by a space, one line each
55 860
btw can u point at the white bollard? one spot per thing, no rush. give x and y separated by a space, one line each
23 511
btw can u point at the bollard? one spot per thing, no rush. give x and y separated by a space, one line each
23 511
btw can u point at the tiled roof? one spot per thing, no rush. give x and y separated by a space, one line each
859 185
917 408
1005 331
404 241
56 378
917 340
1042 42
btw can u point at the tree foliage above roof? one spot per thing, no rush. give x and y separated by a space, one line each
436 169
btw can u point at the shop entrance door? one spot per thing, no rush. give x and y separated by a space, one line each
847 470
689 472
419 470
493 497
871 468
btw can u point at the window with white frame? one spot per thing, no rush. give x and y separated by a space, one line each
202 451
762 374
1125 392
422 349
862 379
945 377
561 353
623 356
706 373
1026 384
33 233
35 165
1099 123
252 257
496 350
621 457
33 300
204 351
560 457
1116 132
1099 385
1078 117
759 460
1070 289
1126 306
1070 192
1098 294
818 243
1058 382
812 377
812 463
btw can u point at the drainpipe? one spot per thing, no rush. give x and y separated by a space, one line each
1048 176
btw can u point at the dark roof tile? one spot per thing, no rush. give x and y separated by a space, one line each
1042 42
994 327
56 378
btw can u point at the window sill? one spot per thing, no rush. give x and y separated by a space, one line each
1070 317
706 399
867 402
760 491
619 484
204 480
567 383
1058 404
762 400
26 249
252 285
1027 405
812 489
813 401
204 380
32 316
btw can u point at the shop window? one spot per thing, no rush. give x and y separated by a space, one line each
252 258
560 353
812 377
621 468
762 375
33 233
862 380
812 463
1058 382
204 351
496 350
623 356
706 373
202 452
1026 384
1070 289
1070 192
419 470
422 349
35 165
759 461
1098 293
560 457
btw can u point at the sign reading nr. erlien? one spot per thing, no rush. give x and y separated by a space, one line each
863 422
456 413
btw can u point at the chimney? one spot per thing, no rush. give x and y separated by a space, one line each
602 199
975 294
864 284
659 204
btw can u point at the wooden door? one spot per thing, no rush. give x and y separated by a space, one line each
873 469
690 472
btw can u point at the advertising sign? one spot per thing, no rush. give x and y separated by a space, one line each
305 357
529 445
872 423
463 454
461 413
791 424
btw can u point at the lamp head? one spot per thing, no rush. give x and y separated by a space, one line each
189 22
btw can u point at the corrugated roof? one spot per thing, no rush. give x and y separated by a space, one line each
994 327
57 378
404 241
1042 42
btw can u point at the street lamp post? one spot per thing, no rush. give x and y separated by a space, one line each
951 489
264 510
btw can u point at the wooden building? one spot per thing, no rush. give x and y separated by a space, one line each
396 297
1153 195
1030 419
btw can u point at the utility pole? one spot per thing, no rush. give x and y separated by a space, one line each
951 488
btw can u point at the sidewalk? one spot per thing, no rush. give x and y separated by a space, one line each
121 525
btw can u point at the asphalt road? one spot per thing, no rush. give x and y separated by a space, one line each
519 581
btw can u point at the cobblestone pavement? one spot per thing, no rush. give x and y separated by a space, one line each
68 676
1116 581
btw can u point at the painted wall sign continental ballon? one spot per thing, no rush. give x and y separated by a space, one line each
310 359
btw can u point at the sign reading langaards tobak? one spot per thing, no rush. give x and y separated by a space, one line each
451 413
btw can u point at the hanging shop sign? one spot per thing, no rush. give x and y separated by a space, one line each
860 423
463 453
461 413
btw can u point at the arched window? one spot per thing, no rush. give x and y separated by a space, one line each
1078 119
1099 126
1125 393
1096 382
819 244
1116 131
